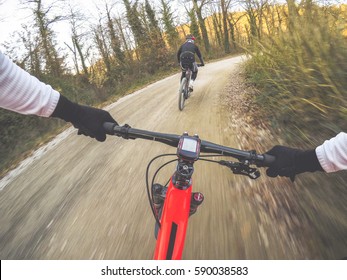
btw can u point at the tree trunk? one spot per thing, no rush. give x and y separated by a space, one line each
202 25
115 44
225 27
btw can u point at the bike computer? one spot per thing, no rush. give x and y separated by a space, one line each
189 147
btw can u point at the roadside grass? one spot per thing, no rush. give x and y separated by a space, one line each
301 89
301 75
309 216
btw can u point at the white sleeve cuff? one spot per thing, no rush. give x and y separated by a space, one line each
332 154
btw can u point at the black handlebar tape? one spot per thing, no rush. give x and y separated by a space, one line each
109 127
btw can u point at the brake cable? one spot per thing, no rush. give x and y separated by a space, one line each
149 192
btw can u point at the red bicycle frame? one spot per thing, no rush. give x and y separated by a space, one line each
174 221
176 204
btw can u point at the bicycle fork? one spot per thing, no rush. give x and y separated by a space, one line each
159 195
174 205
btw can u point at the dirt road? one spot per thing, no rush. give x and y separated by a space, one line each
86 200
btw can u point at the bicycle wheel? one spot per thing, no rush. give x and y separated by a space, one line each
181 94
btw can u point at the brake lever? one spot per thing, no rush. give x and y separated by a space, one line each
241 168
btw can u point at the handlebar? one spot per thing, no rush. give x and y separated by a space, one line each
173 139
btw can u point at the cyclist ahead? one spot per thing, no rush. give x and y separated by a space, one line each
186 58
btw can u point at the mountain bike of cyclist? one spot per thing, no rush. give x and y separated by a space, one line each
186 58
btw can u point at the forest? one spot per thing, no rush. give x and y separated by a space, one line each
297 58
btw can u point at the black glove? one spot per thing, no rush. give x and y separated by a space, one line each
88 120
290 162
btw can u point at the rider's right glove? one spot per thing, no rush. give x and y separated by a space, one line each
290 162
88 120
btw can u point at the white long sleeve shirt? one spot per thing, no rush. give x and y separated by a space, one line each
332 154
23 93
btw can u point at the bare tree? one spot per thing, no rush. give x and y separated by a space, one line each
123 30
225 4
102 46
255 13
198 10
29 58
217 26
44 19
115 40
77 20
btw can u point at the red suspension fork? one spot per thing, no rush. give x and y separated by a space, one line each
174 221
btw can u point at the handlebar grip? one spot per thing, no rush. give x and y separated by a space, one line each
109 127
268 160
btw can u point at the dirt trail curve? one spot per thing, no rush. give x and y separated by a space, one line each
86 200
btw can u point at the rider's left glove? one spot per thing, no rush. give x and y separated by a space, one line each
88 120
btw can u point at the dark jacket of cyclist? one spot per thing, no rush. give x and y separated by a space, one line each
186 58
